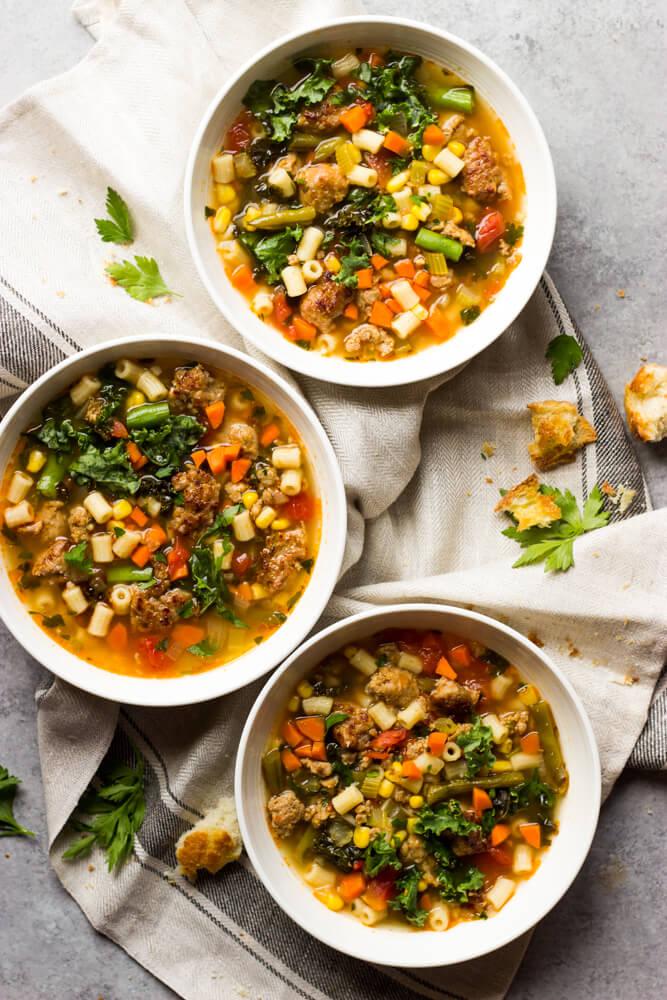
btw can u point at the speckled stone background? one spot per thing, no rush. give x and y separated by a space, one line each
595 74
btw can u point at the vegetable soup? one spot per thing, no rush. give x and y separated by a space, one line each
161 518
368 204
415 778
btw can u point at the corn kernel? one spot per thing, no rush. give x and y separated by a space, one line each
116 524
416 801
456 147
396 768
422 885
121 509
330 898
265 517
36 460
225 193
386 789
332 263
222 219
456 215
400 835
304 689
281 524
412 824
398 181
435 176
135 398
501 765
409 222
362 836
294 704
528 695
430 152
421 211
258 592
249 498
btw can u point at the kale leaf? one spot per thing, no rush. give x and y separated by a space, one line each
476 745
399 99
272 251
354 261
209 586
109 467
445 818
407 897
277 106
61 436
167 444
380 854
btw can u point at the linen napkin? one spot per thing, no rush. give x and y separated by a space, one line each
420 501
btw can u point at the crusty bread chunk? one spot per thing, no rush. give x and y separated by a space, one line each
528 506
559 433
646 403
212 842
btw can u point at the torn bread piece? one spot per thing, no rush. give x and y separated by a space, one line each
528 506
646 403
559 433
212 842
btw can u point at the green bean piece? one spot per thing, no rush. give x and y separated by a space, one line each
327 148
273 770
426 239
52 474
147 415
284 217
451 789
454 98
303 140
129 574
553 760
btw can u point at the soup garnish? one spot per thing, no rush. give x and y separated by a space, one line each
161 518
368 204
415 777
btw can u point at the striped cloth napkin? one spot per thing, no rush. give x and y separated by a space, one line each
420 503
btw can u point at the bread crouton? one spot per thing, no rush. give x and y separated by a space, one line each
212 842
528 506
646 403
559 433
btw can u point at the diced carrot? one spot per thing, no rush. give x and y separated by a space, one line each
423 293
395 306
531 833
381 314
304 749
385 290
410 770
216 459
244 591
231 451
117 637
118 430
138 460
291 734
351 886
480 801
239 468
139 517
375 60
422 278
187 635
405 268
378 261
141 555
198 457
319 751
281 307
426 901
445 669
499 833
215 412
311 726
395 143
242 279
269 435
290 761
438 324
354 118
304 329
434 136
436 742
177 559
530 743
351 311
155 536
460 656
364 277
178 572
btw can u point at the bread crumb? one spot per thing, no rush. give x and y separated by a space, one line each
33 179
489 448
528 506
61 295
212 842
488 479
623 497
646 403
8 855
91 868
63 191
621 293
595 308
625 586
608 489
535 639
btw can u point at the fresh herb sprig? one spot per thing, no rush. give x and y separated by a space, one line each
142 280
9 827
117 229
565 355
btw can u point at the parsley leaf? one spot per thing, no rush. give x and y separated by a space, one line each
354 261
207 647
120 229
142 280
407 897
554 544
162 645
9 827
272 251
382 243
470 315
117 812
77 557
513 233
110 467
476 745
565 355
380 854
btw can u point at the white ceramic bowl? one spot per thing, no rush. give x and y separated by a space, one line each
251 665
391 945
531 148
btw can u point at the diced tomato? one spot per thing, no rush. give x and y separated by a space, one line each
380 162
493 862
177 560
281 309
301 507
155 658
241 563
381 889
489 230
390 739
239 134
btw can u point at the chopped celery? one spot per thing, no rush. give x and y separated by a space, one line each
436 263
418 172
370 786
347 157
442 206
273 770
244 166
445 725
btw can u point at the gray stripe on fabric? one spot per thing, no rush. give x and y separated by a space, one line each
38 312
25 351
160 760
650 750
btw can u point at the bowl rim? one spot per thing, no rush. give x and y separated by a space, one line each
404 370
208 684
381 611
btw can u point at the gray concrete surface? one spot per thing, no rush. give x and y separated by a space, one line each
595 75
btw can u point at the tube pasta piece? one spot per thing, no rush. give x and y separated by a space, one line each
100 620
86 387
